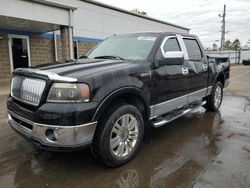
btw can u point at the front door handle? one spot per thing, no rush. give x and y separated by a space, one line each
205 67
185 70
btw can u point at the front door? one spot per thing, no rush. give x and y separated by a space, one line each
169 89
19 51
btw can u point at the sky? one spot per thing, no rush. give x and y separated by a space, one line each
201 16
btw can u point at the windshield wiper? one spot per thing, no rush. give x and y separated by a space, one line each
109 57
83 57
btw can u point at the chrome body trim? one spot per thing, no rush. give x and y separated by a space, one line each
170 117
167 106
163 43
50 75
30 90
67 136
183 46
197 95
227 81
185 70
209 91
164 121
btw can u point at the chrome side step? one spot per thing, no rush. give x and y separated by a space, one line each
166 118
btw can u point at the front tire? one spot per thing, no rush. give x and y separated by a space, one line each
214 100
118 135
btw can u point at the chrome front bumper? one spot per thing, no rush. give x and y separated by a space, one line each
52 135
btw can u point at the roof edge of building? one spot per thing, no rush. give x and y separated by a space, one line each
54 4
131 13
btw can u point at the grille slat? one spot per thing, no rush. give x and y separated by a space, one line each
28 90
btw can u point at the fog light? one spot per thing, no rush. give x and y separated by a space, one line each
50 135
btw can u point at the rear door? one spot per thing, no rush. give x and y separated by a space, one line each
198 69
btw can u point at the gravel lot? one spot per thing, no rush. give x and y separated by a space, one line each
198 150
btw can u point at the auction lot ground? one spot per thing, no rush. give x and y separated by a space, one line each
199 150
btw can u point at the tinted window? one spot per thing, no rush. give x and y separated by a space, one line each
193 49
171 45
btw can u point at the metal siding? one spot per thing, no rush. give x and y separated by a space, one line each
34 11
95 21
98 22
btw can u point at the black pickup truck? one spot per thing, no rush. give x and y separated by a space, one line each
107 97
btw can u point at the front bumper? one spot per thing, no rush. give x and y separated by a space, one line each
53 136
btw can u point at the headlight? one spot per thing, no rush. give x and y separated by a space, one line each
68 93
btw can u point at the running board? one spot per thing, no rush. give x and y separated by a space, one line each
166 118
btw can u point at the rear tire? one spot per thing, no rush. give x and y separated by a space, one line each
215 98
118 135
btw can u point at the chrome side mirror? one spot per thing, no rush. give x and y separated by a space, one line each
174 55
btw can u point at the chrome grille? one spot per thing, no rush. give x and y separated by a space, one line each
28 90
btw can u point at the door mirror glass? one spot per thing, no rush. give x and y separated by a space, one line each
172 58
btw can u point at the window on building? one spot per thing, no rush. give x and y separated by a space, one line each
193 49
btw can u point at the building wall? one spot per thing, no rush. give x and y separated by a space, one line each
4 59
84 47
41 50
34 11
98 22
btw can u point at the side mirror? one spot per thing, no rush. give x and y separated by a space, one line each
172 58
174 55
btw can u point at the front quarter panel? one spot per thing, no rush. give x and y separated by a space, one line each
105 84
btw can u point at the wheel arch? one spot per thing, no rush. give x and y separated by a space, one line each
130 95
220 77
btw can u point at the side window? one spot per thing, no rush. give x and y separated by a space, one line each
193 49
171 45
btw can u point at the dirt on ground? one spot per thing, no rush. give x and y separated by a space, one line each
201 149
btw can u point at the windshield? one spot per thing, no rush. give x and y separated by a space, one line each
135 47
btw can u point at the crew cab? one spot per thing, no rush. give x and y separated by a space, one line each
107 97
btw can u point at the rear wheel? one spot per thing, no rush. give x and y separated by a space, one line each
214 100
118 135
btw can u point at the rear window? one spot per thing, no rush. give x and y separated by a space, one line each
193 49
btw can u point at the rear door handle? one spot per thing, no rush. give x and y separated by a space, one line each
205 67
185 70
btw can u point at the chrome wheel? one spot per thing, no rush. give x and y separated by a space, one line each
217 96
124 135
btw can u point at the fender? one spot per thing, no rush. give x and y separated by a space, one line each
118 92
218 74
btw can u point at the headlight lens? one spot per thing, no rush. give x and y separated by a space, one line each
68 93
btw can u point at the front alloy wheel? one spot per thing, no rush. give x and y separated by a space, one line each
118 135
124 135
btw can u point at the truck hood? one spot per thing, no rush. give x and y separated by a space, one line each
80 68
